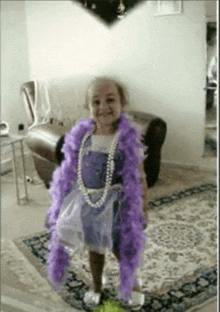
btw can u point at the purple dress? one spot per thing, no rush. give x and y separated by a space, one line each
81 226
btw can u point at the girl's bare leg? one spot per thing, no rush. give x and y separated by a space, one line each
96 261
136 287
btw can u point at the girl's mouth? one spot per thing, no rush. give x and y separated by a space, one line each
105 114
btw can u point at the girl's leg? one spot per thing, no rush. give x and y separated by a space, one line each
96 261
136 286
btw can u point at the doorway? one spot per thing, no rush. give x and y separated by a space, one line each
210 145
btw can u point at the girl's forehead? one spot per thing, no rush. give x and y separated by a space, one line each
104 86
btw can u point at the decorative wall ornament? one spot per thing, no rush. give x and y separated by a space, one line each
121 11
165 7
109 11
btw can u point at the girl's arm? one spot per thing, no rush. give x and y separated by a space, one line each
144 191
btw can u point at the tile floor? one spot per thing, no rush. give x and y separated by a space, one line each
25 219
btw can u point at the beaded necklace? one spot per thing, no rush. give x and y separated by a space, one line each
109 171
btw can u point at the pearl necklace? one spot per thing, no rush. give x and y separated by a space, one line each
109 171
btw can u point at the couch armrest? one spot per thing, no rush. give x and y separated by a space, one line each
154 130
154 133
28 97
42 140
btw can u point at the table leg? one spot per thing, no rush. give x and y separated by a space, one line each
24 170
15 173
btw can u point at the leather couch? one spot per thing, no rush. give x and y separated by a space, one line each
45 140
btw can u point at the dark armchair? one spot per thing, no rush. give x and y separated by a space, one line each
45 140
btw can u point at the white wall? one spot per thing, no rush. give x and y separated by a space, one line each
64 39
14 61
161 58
211 10
14 70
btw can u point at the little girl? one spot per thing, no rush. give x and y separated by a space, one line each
98 194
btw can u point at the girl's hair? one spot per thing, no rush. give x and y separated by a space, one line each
99 80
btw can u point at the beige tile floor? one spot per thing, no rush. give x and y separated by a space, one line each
27 218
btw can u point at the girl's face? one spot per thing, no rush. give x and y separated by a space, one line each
104 103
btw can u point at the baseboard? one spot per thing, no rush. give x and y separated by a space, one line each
205 164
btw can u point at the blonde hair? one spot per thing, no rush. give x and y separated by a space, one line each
102 79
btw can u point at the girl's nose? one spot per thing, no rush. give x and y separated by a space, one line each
103 104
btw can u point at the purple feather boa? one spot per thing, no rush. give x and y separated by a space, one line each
132 239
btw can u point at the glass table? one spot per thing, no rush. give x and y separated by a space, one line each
11 140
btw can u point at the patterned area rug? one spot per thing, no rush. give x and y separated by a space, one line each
179 269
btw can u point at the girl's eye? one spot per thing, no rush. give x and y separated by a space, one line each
96 102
